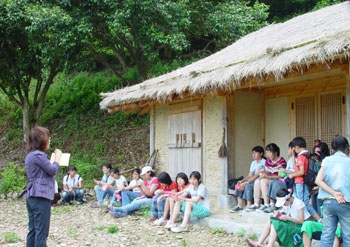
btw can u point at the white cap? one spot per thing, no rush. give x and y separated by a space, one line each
281 200
145 170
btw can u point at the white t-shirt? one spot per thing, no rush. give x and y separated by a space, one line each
255 167
290 165
119 182
202 192
135 182
292 211
72 181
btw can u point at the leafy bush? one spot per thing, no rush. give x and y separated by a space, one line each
13 179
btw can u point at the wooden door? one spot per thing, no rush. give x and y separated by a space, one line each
184 140
319 116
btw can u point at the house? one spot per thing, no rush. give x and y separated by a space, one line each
284 80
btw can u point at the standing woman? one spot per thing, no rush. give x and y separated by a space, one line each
334 183
41 185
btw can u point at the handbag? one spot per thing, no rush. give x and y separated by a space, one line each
238 187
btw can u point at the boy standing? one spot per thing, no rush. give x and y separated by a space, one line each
301 190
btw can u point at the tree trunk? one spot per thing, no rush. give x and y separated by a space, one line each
26 120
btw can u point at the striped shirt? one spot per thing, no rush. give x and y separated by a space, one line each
272 168
40 173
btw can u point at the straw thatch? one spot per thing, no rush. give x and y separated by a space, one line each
270 53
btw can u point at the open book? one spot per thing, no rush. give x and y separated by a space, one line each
64 161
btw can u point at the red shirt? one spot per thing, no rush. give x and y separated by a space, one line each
171 187
301 161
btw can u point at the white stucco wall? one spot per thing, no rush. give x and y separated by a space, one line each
246 113
212 138
161 136
277 124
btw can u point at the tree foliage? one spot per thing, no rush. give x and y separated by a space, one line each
139 33
36 42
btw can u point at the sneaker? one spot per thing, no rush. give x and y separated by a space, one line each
114 215
251 208
270 209
96 205
170 225
179 229
263 207
160 222
236 209
78 202
153 218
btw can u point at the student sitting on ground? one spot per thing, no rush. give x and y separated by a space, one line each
132 191
148 187
313 230
285 224
197 206
247 184
72 187
118 183
182 184
102 185
167 187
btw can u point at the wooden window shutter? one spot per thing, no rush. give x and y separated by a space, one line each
330 112
305 119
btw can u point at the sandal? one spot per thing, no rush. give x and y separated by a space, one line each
252 243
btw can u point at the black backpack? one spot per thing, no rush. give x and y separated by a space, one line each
312 171
232 182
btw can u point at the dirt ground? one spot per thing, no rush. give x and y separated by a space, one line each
80 225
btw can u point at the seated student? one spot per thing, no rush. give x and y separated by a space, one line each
284 181
148 187
182 184
72 187
167 187
131 191
261 185
313 230
119 182
197 206
102 184
285 223
247 184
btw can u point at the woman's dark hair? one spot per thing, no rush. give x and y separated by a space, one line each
72 168
340 143
164 178
107 165
282 192
272 147
183 176
114 170
324 149
299 141
136 170
38 139
197 175
258 149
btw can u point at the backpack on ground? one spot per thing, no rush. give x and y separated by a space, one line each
312 171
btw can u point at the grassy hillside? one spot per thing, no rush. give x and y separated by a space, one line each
79 127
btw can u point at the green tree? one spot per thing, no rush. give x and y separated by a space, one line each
37 42
138 33
281 10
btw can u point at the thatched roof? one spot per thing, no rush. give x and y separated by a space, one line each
271 52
